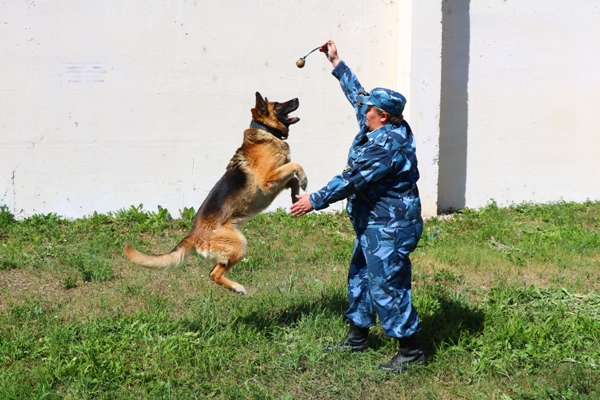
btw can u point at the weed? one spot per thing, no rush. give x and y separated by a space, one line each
90 266
6 218
9 257
70 282
188 214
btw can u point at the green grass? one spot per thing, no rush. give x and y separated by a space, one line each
508 298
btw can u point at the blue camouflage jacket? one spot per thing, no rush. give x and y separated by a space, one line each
380 178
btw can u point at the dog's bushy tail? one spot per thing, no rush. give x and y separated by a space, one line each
161 261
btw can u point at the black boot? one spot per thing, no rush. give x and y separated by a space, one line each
355 340
410 353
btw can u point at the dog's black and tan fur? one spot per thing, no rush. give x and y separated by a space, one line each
259 170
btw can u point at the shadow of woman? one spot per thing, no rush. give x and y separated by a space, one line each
451 320
332 302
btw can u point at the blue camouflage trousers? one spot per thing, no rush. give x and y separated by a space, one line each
379 280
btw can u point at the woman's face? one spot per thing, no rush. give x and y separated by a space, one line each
374 119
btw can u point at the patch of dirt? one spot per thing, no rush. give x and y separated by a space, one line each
482 278
128 293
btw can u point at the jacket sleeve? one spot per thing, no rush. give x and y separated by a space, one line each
372 165
351 87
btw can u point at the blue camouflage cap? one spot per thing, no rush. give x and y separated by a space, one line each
386 99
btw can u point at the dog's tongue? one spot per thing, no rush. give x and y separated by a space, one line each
292 120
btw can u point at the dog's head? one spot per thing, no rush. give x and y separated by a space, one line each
275 115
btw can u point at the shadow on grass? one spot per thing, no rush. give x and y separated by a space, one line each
445 326
332 303
448 323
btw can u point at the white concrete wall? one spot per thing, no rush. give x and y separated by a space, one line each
419 72
109 104
528 95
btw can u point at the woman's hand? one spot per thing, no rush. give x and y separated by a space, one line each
302 206
330 51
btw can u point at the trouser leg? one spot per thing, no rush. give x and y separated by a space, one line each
360 305
386 252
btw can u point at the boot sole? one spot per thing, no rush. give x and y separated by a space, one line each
403 366
354 349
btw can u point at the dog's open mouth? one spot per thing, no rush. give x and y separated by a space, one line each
284 115
289 120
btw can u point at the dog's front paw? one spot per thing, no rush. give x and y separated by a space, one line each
302 179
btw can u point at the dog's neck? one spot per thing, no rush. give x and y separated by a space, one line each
275 132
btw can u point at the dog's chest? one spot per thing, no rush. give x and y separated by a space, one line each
268 155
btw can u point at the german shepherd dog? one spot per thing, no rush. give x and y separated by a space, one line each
259 170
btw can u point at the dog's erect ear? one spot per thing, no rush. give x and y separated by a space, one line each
261 104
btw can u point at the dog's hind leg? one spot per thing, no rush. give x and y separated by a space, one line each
218 276
230 244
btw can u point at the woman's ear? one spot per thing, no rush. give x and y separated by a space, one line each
384 117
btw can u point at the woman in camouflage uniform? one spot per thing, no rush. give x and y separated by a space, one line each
384 207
